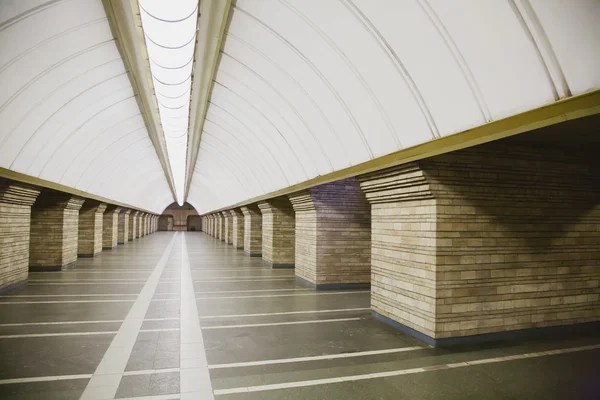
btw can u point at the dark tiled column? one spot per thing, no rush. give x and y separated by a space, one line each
16 200
333 235
278 228
90 228
110 229
54 230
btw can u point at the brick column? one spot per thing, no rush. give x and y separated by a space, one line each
278 225
138 230
90 228
252 230
131 234
333 235
54 231
155 223
486 240
227 227
110 230
212 225
123 229
220 231
16 200
237 234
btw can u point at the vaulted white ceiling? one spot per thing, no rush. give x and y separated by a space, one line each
302 88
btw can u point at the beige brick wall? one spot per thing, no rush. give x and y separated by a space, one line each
131 234
237 237
227 227
123 229
139 224
333 234
54 230
487 239
89 241
278 228
110 227
252 230
15 218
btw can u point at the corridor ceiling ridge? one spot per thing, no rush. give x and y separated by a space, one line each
217 102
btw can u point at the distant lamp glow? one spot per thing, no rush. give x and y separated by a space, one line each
170 33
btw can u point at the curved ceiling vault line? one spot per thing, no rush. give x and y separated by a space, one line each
294 81
351 66
274 127
53 92
238 115
255 136
81 152
51 68
285 100
244 145
81 125
49 40
110 161
97 155
462 64
238 153
118 166
317 72
30 13
62 106
230 165
395 59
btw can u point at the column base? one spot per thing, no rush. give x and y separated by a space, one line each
253 254
88 255
108 248
51 267
13 286
271 265
530 333
332 286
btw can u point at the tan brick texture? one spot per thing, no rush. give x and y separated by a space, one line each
110 227
123 229
237 236
89 241
252 230
278 228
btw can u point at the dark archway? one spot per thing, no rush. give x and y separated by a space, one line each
180 215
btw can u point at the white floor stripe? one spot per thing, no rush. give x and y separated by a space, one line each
315 358
154 397
150 371
70 295
107 377
316 382
194 378
245 280
252 291
5 303
39 335
283 295
96 280
281 313
313 321
44 379
107 321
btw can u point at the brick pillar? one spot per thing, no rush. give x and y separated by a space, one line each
212 225
123 229
138 230
227 227
131 234
252 230
333 235
278 225
16 200
90 228
110 229
485 240
237 235
155 223
219 220
54 231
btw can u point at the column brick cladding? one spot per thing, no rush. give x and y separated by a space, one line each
110 228
90 228
138 229
16 200
227 227
237 235
489 239
278 228
131 234
252 230
333 235
220 227
123 228
54 231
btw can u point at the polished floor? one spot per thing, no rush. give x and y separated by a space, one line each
182 315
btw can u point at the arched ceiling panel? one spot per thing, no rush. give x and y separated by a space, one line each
308 87
68 111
